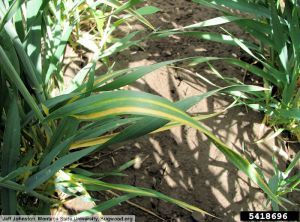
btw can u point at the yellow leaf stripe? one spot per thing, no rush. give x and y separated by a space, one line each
106 77
102 139
134 110
91 142
75 98
142 100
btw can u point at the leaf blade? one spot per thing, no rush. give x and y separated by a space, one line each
10 154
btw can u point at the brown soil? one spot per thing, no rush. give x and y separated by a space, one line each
182 162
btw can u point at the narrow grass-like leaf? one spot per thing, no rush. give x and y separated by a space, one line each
3 92
96 175
54 152
11 140
112 124
241 5
8 46
43 175
255 70
272 136
106 205
10 154
116 103
137 73
58 53
19 24
77 81
295 33
15 80
103 139
294 162
15 173
127 5
279 38
216 37
34 36
147 10
138 192
149 124
60 100
120 45
11 185
289 114
212 22
15 5
59 133
29 69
